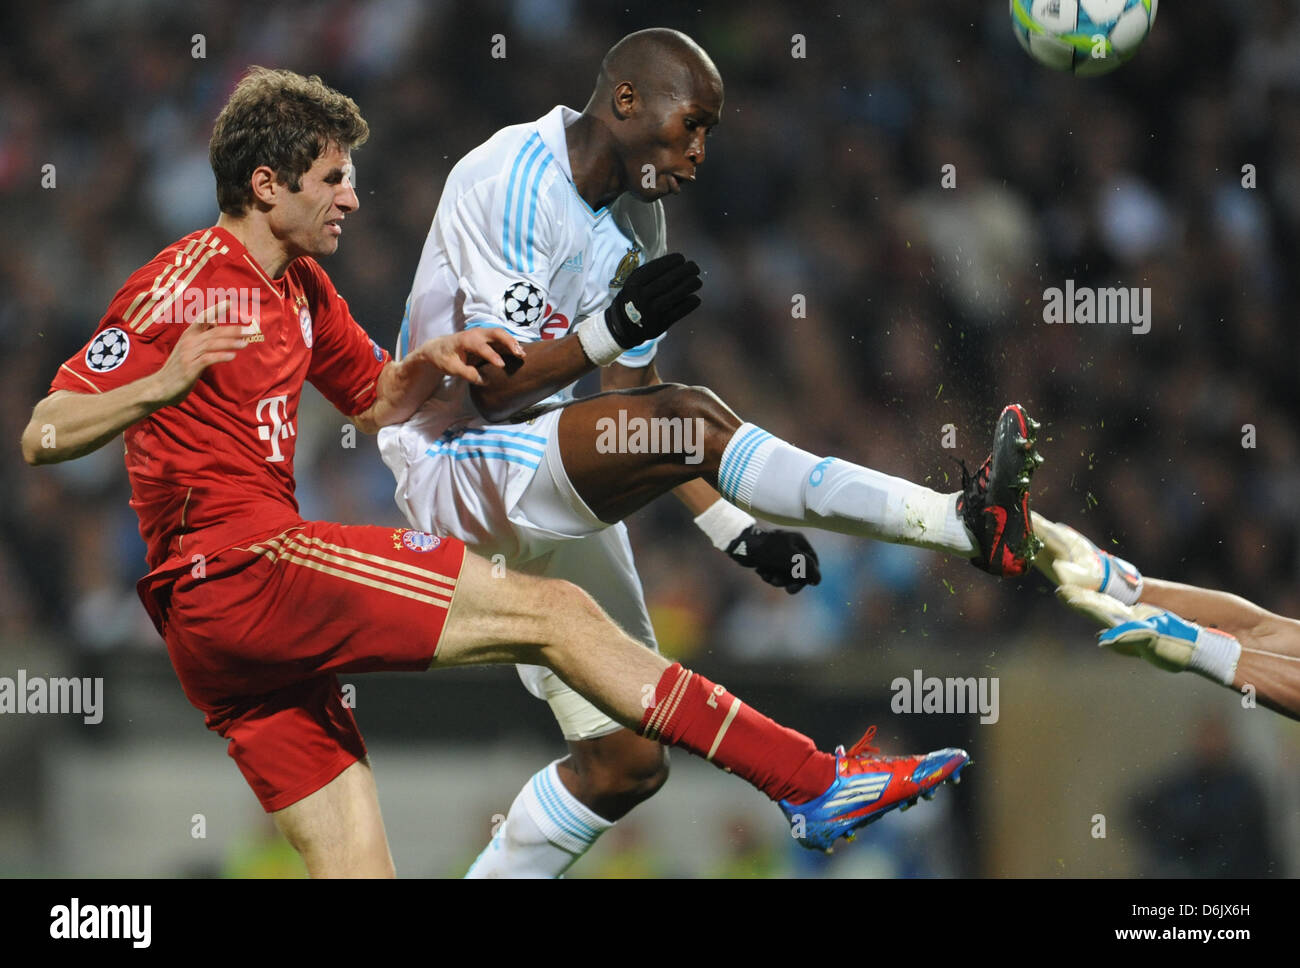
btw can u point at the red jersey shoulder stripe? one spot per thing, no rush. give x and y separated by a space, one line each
171 283
171 265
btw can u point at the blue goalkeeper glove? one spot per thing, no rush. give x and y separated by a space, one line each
1159 636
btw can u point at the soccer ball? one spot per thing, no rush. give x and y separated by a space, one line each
1085 37
523 303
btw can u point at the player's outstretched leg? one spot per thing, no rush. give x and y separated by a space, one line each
519 618
987 522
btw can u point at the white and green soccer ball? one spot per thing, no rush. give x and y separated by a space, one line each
1086 37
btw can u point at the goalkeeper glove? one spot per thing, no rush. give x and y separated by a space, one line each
1162 638
655 296
1068 558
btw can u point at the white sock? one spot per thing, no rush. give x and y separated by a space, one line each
782 483
1215 656
546 830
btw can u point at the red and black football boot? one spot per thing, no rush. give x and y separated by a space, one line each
994 503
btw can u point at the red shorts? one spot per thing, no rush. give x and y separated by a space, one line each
257 636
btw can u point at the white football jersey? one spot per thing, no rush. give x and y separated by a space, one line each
514 245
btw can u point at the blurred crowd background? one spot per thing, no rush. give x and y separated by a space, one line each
1178 449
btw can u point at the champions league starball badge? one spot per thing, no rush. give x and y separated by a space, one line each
108 350
523 303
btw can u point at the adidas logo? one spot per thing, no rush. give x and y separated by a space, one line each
573 264
741 549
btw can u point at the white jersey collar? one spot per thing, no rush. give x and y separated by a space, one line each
551 127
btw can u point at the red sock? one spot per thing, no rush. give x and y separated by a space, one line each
704 719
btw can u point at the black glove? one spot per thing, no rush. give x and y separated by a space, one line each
654 297
781 558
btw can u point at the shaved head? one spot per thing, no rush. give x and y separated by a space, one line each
658 96
659 61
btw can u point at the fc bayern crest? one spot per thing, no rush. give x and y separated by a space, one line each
415 540
304 323
108 350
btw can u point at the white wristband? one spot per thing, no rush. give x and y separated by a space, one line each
597 341
723 522
1216 656
1120 579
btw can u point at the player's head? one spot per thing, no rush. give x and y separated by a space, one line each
660 95
282 150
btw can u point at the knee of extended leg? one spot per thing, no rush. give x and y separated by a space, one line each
634 776
693 403
565 619
655 775
569 602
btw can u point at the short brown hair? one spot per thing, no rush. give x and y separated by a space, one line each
279 119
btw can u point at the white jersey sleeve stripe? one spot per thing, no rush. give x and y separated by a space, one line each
532 213
529 197
517 226
535 438
531 144
515 222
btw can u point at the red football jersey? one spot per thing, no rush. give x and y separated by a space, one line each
216 469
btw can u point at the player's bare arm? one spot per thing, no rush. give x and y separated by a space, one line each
404 385
1176 627
550 366
1223 610
655 296
1270 643
84 422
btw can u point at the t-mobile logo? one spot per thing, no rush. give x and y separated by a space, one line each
279 428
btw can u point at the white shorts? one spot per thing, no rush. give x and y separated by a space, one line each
503 490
